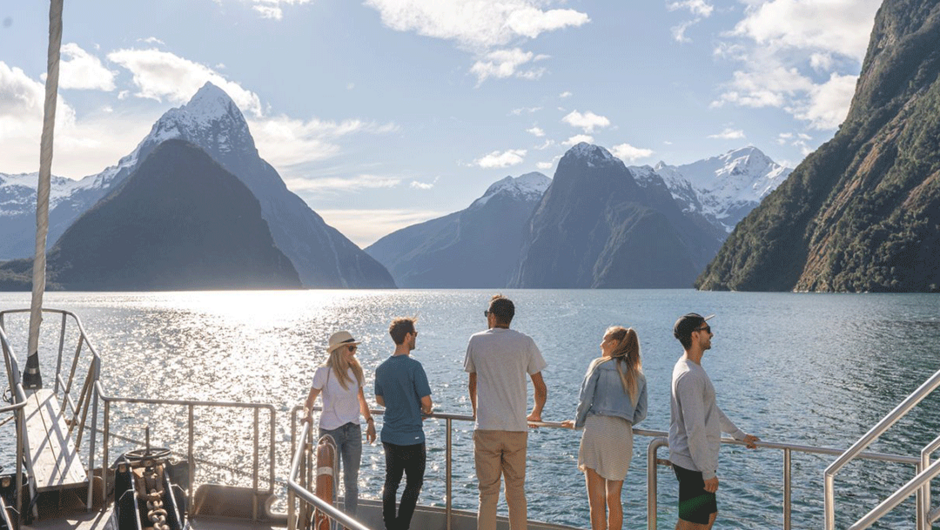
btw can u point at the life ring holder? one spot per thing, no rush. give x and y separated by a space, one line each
327 478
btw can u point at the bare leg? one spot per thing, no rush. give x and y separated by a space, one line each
596 499
614 505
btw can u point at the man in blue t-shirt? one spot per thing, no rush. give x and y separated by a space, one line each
401 386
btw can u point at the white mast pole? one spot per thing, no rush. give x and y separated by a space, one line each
31 376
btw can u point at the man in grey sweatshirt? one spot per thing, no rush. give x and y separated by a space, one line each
696 427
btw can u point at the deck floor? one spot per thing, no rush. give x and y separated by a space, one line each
55 462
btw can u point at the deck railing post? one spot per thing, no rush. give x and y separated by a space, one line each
786 489
105 445
58 364
96 370
191 460
254 475
448 506
652 486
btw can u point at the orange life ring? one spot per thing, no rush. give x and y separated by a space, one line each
326 456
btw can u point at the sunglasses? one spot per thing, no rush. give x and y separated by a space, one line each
706 329
486 313
353 347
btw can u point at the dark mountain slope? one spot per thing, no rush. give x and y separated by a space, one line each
179 222
862 213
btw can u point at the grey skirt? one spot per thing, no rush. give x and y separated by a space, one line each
606 446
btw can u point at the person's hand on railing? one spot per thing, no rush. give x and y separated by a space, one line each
307 416
751 440
568 424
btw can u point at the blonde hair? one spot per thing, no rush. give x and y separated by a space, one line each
340 365
626 357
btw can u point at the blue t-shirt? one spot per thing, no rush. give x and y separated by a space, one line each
401 382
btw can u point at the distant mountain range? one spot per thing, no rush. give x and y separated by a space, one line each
320 254
473 248
722 188
861 213
596 227
485 245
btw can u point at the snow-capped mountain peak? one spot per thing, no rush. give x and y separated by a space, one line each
723 188
593 155
528 187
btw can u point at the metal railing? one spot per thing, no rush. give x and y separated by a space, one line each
919 484
300 478
659 440
190 406
86 403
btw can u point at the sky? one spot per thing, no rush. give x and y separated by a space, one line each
385 113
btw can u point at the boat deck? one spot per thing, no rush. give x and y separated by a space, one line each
55 462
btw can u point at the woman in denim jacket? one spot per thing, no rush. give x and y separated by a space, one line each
612 401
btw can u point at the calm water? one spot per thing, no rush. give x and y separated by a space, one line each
799 368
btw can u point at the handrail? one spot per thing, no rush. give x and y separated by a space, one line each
190 405
17 410
659 439
297 488
873 434
92 391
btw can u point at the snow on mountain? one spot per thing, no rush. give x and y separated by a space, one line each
722 188
528 187
593 155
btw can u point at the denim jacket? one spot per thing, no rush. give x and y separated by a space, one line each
602 394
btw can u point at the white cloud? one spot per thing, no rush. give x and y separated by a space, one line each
587 121
505 63
528 110
728 134
564 95
578 138
627 152
365 227
152 40
479 26
271 12
789 48
475 24
772 86
287 142
535 131
837 26
81 70
424 185
269 9
163 76
546 145
80 146
699 8
496 159
332 185
545 165
828 103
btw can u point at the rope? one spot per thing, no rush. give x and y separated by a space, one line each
45 174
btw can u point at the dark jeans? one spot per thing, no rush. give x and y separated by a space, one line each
348 440
409 459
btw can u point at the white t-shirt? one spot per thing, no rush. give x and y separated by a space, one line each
501 358
340 405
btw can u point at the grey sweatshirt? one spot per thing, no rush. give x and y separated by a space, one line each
697 422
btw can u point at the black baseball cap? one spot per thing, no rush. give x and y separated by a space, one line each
688 323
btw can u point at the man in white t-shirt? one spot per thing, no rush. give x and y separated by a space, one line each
498 360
